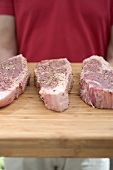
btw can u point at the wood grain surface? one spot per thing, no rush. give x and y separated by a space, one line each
28 128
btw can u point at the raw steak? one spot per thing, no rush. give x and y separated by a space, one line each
14 76
54 80
96 82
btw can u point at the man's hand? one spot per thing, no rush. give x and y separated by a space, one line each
8 45
110 48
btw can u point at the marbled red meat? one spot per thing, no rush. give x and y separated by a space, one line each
96 82
14 76
54 80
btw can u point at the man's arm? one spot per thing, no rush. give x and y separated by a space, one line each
8 45
110 48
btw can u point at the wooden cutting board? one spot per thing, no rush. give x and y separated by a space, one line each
28 128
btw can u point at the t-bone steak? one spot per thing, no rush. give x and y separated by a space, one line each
96 82
54 80
14 76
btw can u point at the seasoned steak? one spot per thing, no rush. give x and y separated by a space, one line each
54 80
14 76
96 82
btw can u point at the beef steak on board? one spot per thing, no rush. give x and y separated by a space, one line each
54 80
14 76
96 82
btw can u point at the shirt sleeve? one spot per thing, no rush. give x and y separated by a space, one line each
112 13
6 7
